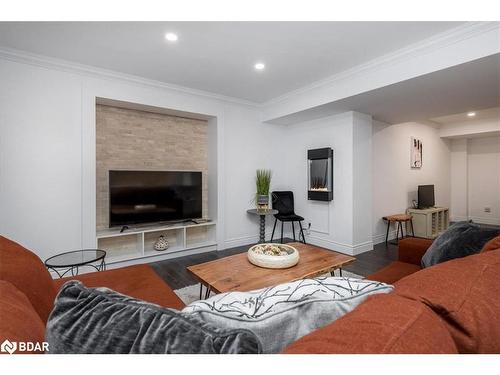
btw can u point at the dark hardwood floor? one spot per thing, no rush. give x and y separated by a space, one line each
174 272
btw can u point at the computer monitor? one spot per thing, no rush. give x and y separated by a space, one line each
426 196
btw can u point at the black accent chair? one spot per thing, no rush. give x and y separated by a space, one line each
283 202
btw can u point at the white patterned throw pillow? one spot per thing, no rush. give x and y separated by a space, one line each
281 314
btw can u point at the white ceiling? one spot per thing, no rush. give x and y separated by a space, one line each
466 87
490 113
219 56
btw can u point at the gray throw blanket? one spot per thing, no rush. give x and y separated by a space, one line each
88 320
460 240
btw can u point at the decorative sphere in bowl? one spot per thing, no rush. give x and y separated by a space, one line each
272 255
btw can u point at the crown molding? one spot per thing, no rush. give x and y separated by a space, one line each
91 71
436 42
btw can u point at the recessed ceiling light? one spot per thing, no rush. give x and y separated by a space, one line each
259 66
471 114
171 37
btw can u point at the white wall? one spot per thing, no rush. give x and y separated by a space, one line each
458 180
475 166
394 182
47 152
40 158
335 225
483 155
249 145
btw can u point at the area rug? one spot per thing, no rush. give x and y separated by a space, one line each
191 293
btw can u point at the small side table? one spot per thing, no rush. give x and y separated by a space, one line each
262 214
399 219
74 259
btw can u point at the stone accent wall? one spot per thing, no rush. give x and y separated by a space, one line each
135 140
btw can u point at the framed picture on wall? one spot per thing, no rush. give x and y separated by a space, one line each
416 153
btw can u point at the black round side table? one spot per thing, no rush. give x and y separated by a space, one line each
262 224
74 259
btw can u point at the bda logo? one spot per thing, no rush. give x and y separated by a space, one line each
8 347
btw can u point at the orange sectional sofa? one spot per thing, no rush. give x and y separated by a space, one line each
27 290
452 307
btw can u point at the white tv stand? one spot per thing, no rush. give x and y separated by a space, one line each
138 242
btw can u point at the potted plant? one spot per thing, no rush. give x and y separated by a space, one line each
262 182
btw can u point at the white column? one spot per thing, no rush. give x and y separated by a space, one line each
459 209
362 182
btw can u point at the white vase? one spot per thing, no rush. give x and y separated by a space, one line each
161 244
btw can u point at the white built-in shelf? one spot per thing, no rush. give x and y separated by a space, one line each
138 242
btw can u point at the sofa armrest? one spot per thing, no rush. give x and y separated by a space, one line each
412 249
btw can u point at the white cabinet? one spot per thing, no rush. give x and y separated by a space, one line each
430 222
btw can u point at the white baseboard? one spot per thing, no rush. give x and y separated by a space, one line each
250 240
240 241
340 247
379 238
477 219
459 218
311 239
485 220
362 247
331 245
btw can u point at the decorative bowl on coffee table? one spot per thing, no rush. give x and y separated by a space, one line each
272 255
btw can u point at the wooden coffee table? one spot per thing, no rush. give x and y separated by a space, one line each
237 273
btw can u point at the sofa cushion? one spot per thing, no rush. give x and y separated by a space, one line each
26 272
384 323
394 272
281 314
493 244
460 240
86 320
412 249
463 292
19 321
139 281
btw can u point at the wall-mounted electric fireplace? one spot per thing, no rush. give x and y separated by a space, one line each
320 174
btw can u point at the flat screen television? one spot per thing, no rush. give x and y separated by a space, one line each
154 196
426 196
